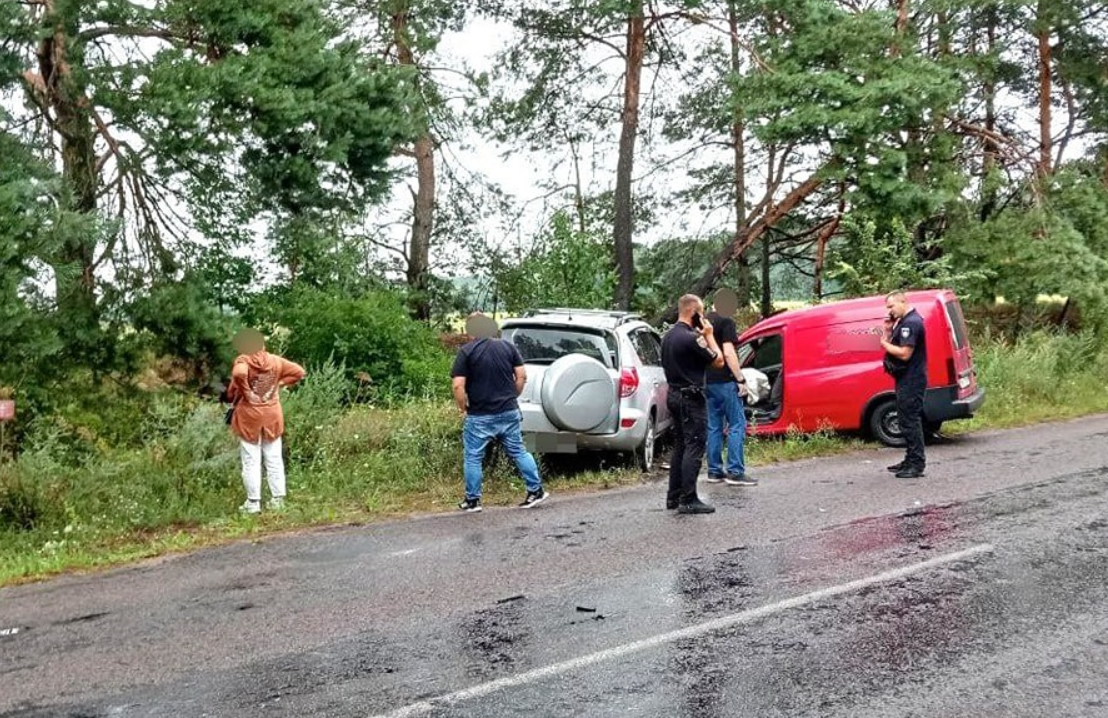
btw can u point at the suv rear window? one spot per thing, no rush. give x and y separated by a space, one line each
957 323
545 345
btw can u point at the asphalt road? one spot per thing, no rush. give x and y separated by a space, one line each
832 589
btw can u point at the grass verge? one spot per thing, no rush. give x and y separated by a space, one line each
68 504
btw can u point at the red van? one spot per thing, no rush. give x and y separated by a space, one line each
824 368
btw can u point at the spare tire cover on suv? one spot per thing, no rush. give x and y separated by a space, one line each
577 393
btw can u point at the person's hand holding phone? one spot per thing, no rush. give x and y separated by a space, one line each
702 325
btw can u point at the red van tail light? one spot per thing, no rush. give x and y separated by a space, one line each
628 381
951 372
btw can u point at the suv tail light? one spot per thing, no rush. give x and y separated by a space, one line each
628 381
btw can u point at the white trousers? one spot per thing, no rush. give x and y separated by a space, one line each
252 457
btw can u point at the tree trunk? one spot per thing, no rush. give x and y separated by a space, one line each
750 235
419 251
738 143
767 287
1045 167
74 264
989 196
623 229
901 27
823 240
578 187
423 210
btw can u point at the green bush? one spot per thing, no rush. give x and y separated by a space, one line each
371 336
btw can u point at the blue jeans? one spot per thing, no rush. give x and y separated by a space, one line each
505 427
725 408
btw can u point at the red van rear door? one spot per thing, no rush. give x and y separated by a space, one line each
963 373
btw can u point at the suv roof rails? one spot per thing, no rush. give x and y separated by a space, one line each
621 317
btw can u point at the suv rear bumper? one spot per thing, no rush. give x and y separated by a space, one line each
541 436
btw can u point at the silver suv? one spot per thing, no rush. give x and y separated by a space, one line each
594 381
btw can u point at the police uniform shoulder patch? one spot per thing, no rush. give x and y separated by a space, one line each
906 332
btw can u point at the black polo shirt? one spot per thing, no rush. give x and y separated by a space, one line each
488 366
909 332
683 359
725 331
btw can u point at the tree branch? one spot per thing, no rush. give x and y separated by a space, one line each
127 31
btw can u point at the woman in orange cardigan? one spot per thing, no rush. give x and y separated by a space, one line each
256 380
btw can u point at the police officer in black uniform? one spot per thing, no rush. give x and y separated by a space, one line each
905 348
688 349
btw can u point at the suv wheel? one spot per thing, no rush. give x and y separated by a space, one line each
644 455
884 426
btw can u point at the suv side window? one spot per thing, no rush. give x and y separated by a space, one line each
647 346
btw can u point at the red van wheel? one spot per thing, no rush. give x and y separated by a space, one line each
883 424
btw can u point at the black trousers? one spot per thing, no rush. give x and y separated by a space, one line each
909 414
690 430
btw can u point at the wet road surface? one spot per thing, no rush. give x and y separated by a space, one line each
832 589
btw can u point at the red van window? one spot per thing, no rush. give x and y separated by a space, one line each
957 323
761 352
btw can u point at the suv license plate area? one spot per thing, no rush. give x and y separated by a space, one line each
550 443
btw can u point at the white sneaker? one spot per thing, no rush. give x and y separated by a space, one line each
251 507
277 503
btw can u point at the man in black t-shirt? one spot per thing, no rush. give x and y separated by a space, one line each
905 345
488 377
688 349
726 389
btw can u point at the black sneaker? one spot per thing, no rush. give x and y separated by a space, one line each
470 506
534 498
716 478
896 467
741 480
696 506
671 504
909 472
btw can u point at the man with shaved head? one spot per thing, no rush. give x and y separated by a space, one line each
688 349
905 347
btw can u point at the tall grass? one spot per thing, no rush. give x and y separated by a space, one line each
1038 377
67 504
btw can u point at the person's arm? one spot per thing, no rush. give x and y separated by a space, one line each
458 383
460 393
240 373
291 373
521 379
731 359
902 353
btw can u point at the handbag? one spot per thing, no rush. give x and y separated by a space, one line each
229 415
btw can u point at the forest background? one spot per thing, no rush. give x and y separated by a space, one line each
352 176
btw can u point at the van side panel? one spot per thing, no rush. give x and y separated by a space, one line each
840 370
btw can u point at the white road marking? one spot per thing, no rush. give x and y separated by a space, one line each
699 629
